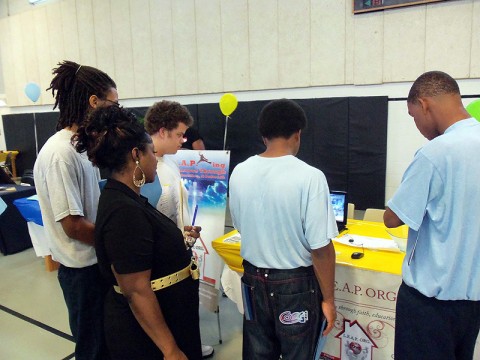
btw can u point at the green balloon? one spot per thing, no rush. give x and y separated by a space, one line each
474 109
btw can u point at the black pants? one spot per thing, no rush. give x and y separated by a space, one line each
84 292
431 329
126 339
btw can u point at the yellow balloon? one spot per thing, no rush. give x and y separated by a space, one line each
228 104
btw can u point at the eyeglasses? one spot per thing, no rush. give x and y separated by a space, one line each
114 103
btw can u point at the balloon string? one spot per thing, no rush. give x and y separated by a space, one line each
35 132
225 134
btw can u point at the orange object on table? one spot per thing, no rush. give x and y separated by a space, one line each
50 264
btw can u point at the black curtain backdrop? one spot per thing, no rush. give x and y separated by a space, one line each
346 138
325 140
20 135
367 143
46 126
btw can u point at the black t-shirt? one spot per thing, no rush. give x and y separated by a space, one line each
191 135
134 236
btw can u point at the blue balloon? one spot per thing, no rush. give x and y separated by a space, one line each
32 90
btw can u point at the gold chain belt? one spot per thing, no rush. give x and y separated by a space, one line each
166 281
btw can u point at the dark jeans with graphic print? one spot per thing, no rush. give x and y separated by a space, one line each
282 313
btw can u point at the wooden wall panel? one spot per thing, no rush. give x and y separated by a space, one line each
18 54
448 37
29 38
102 22
4 8
14 7
475 36
55 31
2 83
7 62
349 43
235 47
404 60
263 43
368 47
328 52
294 36
86 33
185 49
70 30
44 62
179 47
162 47
4 33
209 46
123 49
142 48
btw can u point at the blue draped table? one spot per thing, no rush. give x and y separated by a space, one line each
14 236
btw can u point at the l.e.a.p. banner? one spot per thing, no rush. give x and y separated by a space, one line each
205 175
365 326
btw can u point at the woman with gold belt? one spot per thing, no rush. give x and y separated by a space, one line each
151 310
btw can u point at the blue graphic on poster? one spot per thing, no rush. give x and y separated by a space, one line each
205 175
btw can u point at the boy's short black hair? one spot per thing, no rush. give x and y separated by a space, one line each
281 118
432 83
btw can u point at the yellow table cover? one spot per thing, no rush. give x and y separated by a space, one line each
375 260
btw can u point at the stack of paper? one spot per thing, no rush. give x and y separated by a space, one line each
367 242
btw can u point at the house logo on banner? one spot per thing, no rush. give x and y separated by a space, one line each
365 326
354 342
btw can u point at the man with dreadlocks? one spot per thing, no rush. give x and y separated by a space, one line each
68 193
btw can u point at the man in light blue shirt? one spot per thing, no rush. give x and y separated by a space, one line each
438 307
281 207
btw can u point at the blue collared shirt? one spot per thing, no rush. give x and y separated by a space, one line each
439 199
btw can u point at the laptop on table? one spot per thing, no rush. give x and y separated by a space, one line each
340 208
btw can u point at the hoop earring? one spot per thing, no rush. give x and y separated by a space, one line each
141 182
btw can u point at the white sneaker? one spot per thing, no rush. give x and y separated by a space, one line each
207 351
